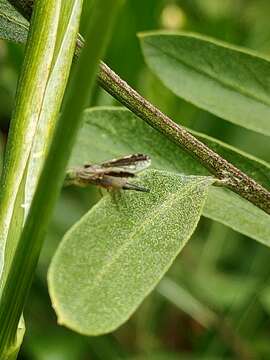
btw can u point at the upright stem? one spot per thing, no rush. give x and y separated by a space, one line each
24 262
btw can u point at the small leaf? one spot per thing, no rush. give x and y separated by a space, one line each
13 26
115 255
111 132
227 81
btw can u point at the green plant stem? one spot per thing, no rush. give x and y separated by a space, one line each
229 176
33 122
22 130
27 253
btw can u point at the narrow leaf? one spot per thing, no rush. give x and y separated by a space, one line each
111 132
230 82
111 259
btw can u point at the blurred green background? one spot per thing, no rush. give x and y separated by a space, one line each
215 301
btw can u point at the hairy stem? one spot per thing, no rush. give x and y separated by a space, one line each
229 176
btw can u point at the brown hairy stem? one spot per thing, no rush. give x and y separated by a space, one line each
227 174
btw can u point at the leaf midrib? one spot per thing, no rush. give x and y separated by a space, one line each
216 79
148 219
14 20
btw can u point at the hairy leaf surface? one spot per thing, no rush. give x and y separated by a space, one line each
13 26
114 256
112 132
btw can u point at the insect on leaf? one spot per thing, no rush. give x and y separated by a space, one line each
110 131
111 174
116 254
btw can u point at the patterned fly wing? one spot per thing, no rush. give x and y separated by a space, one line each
111 174
127 165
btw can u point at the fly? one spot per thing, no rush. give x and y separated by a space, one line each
112 174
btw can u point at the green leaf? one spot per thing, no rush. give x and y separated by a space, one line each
227 81
112 132
115 255
13 26
228 208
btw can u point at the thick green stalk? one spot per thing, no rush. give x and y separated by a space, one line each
34 122
27 253
29 99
